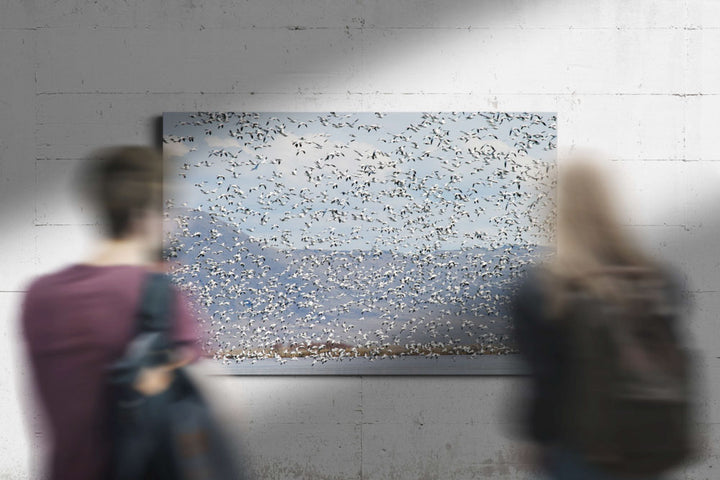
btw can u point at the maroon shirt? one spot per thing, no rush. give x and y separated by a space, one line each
76 322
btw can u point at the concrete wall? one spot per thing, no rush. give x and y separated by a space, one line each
639 79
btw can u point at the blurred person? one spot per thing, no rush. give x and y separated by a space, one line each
598 326
79 320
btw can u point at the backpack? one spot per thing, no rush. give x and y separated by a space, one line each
627 408
171 435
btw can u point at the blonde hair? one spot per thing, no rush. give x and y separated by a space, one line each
591 240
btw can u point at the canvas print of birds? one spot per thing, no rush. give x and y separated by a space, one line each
332 236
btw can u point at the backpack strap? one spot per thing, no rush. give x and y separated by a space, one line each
154 312
152 341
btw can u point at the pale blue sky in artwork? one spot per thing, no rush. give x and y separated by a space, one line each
354 181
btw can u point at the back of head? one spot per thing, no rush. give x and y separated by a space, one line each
124 183
594 251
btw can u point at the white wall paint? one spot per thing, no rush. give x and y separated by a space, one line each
638 79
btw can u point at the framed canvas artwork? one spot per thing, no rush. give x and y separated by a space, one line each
358 243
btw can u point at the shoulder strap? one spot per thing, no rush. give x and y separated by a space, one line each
151 344
155 304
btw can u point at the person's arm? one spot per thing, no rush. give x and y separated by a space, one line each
541 346
185 332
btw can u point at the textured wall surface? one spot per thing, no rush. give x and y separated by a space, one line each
638 79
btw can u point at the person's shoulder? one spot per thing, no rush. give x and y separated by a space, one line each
672 275
532 282
529 297
675 282
86 276
42 295
47 282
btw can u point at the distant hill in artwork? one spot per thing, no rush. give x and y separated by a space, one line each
297 302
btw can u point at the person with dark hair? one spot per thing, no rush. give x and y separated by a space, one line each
77 321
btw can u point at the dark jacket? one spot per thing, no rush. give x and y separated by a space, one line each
545 347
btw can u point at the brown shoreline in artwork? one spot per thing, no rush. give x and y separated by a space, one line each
340 350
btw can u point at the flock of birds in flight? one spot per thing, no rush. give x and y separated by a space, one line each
342 235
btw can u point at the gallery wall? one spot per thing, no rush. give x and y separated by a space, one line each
638 80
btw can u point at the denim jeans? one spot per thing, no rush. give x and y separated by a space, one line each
565 464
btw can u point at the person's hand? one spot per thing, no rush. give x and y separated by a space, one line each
154 380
